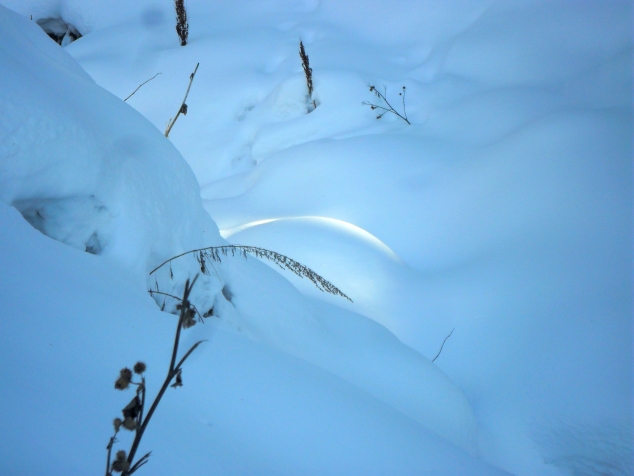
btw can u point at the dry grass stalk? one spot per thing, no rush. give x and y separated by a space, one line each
308 72
182 27
183 108
213 253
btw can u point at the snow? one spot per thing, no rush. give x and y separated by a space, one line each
503 212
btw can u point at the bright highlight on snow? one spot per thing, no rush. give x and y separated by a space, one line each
484 222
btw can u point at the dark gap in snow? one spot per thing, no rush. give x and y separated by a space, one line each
61 32
227 293
76 221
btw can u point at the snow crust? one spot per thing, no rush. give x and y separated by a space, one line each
504 212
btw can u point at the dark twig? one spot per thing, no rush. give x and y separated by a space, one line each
139 87
134 410
112 441
183 108
142 460
213 253
152 293
384 99
443 344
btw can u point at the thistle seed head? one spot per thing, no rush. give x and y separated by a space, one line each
119 466
121 383
117 424
139 368
129 424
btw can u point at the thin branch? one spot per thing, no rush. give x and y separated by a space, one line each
152 292
113 438
443 344
181 319
140 86
284 262
142 460
171 373
390 108
189 352
183 107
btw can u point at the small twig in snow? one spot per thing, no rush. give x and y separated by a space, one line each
384 99
443 344
140 86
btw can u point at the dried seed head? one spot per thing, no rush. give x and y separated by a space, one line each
117 424
121 455
126 373
129 424
119 466
121 383
139 368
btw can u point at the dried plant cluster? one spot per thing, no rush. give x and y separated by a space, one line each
133 413
308 72
182 27
214 253
389 108
133 418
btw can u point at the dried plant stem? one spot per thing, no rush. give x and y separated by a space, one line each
443 345
113 438
213 253
183 108
182 27
152 292
173 371
308 71
384 99
139 87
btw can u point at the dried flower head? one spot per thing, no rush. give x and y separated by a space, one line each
126 373
120 465
121 383
139 368
117 424
121 455
129 424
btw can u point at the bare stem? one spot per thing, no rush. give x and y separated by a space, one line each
171 373
443 344
390 108
110 444
183 107
152 292
139 87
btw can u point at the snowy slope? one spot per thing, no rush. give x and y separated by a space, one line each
359 396
504 211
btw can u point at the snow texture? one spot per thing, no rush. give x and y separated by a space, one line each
502 212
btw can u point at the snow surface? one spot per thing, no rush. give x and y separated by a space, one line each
504 212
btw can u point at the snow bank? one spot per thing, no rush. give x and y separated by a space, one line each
86 169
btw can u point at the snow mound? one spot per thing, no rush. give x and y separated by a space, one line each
86 169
